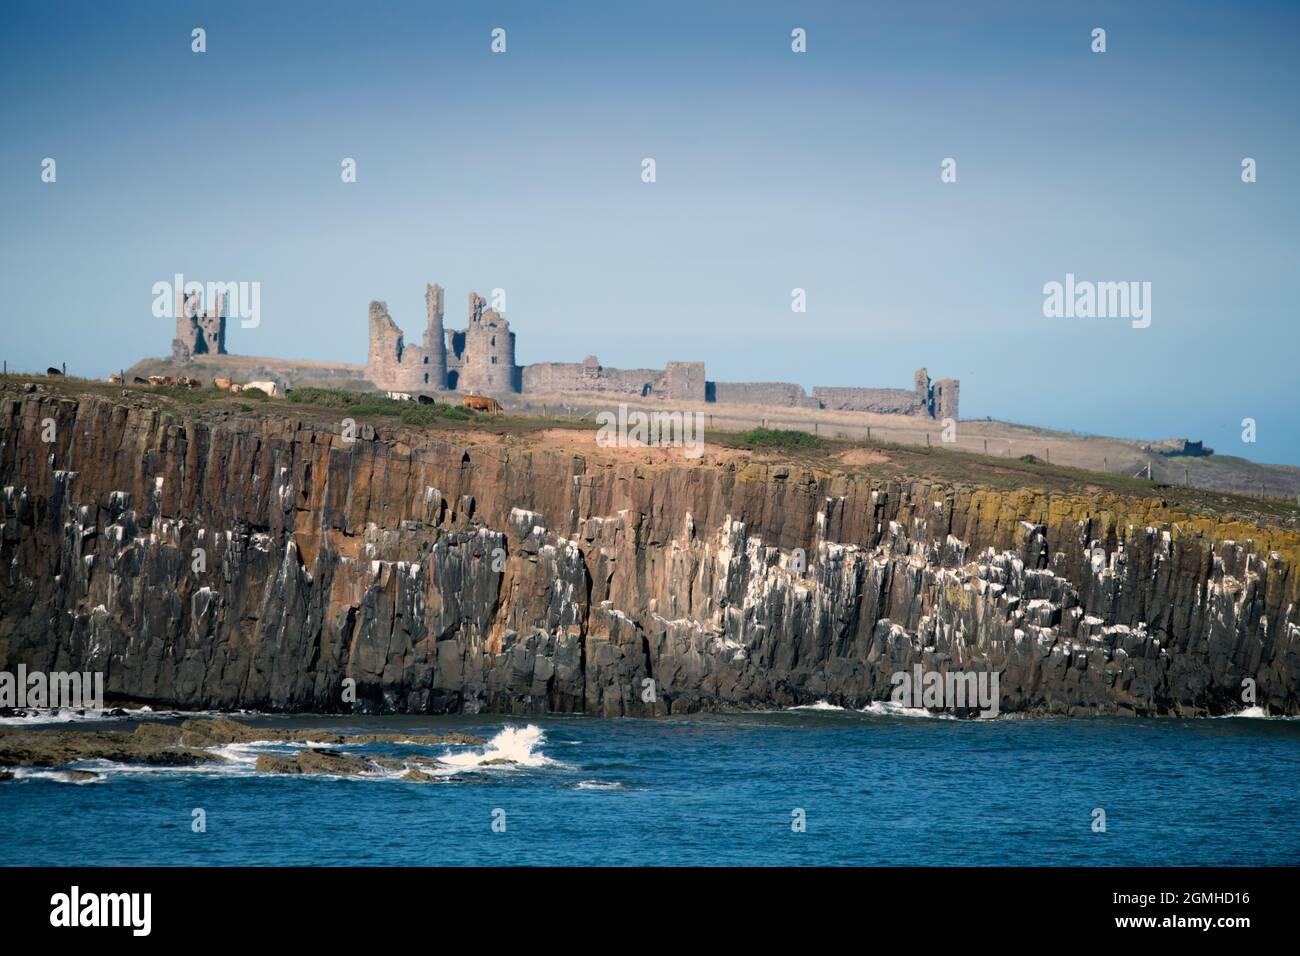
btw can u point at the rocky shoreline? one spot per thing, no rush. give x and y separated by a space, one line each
191 743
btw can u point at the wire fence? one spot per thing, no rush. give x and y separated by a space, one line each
1156 468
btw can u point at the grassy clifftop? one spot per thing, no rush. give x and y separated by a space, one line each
761 449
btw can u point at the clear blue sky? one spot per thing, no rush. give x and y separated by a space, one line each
775 170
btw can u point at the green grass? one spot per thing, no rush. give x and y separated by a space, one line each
370 403
780 438
897 462
186 396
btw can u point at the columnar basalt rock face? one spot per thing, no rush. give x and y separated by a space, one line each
259 562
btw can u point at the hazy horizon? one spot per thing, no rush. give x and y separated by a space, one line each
775 171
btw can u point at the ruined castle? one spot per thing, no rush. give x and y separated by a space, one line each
199 330
480 359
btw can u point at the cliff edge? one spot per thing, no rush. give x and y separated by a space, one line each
240 557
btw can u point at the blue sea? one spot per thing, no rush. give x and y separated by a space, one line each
797 787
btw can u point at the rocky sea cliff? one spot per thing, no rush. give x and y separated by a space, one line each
256 559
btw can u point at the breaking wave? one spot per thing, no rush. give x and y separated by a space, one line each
1254 713
57 776
887 708
513 746
35 716
820 705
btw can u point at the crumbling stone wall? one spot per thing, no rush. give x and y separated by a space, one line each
889 401
684 381
392 364
590 376
481 359
946 392
199 330
781 394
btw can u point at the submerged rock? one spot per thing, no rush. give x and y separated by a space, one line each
167 744
327 761
277 763
56 748
419 776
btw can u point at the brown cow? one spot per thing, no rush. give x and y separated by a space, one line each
481 403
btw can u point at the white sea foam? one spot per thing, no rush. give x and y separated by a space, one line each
58 776
66 715
57 715
512 749
1254 713
820 705
599 785
887 708
521 745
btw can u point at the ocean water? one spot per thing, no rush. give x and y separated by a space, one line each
874 789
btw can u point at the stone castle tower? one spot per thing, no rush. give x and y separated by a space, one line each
392 364
481 358
435 343
199 330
